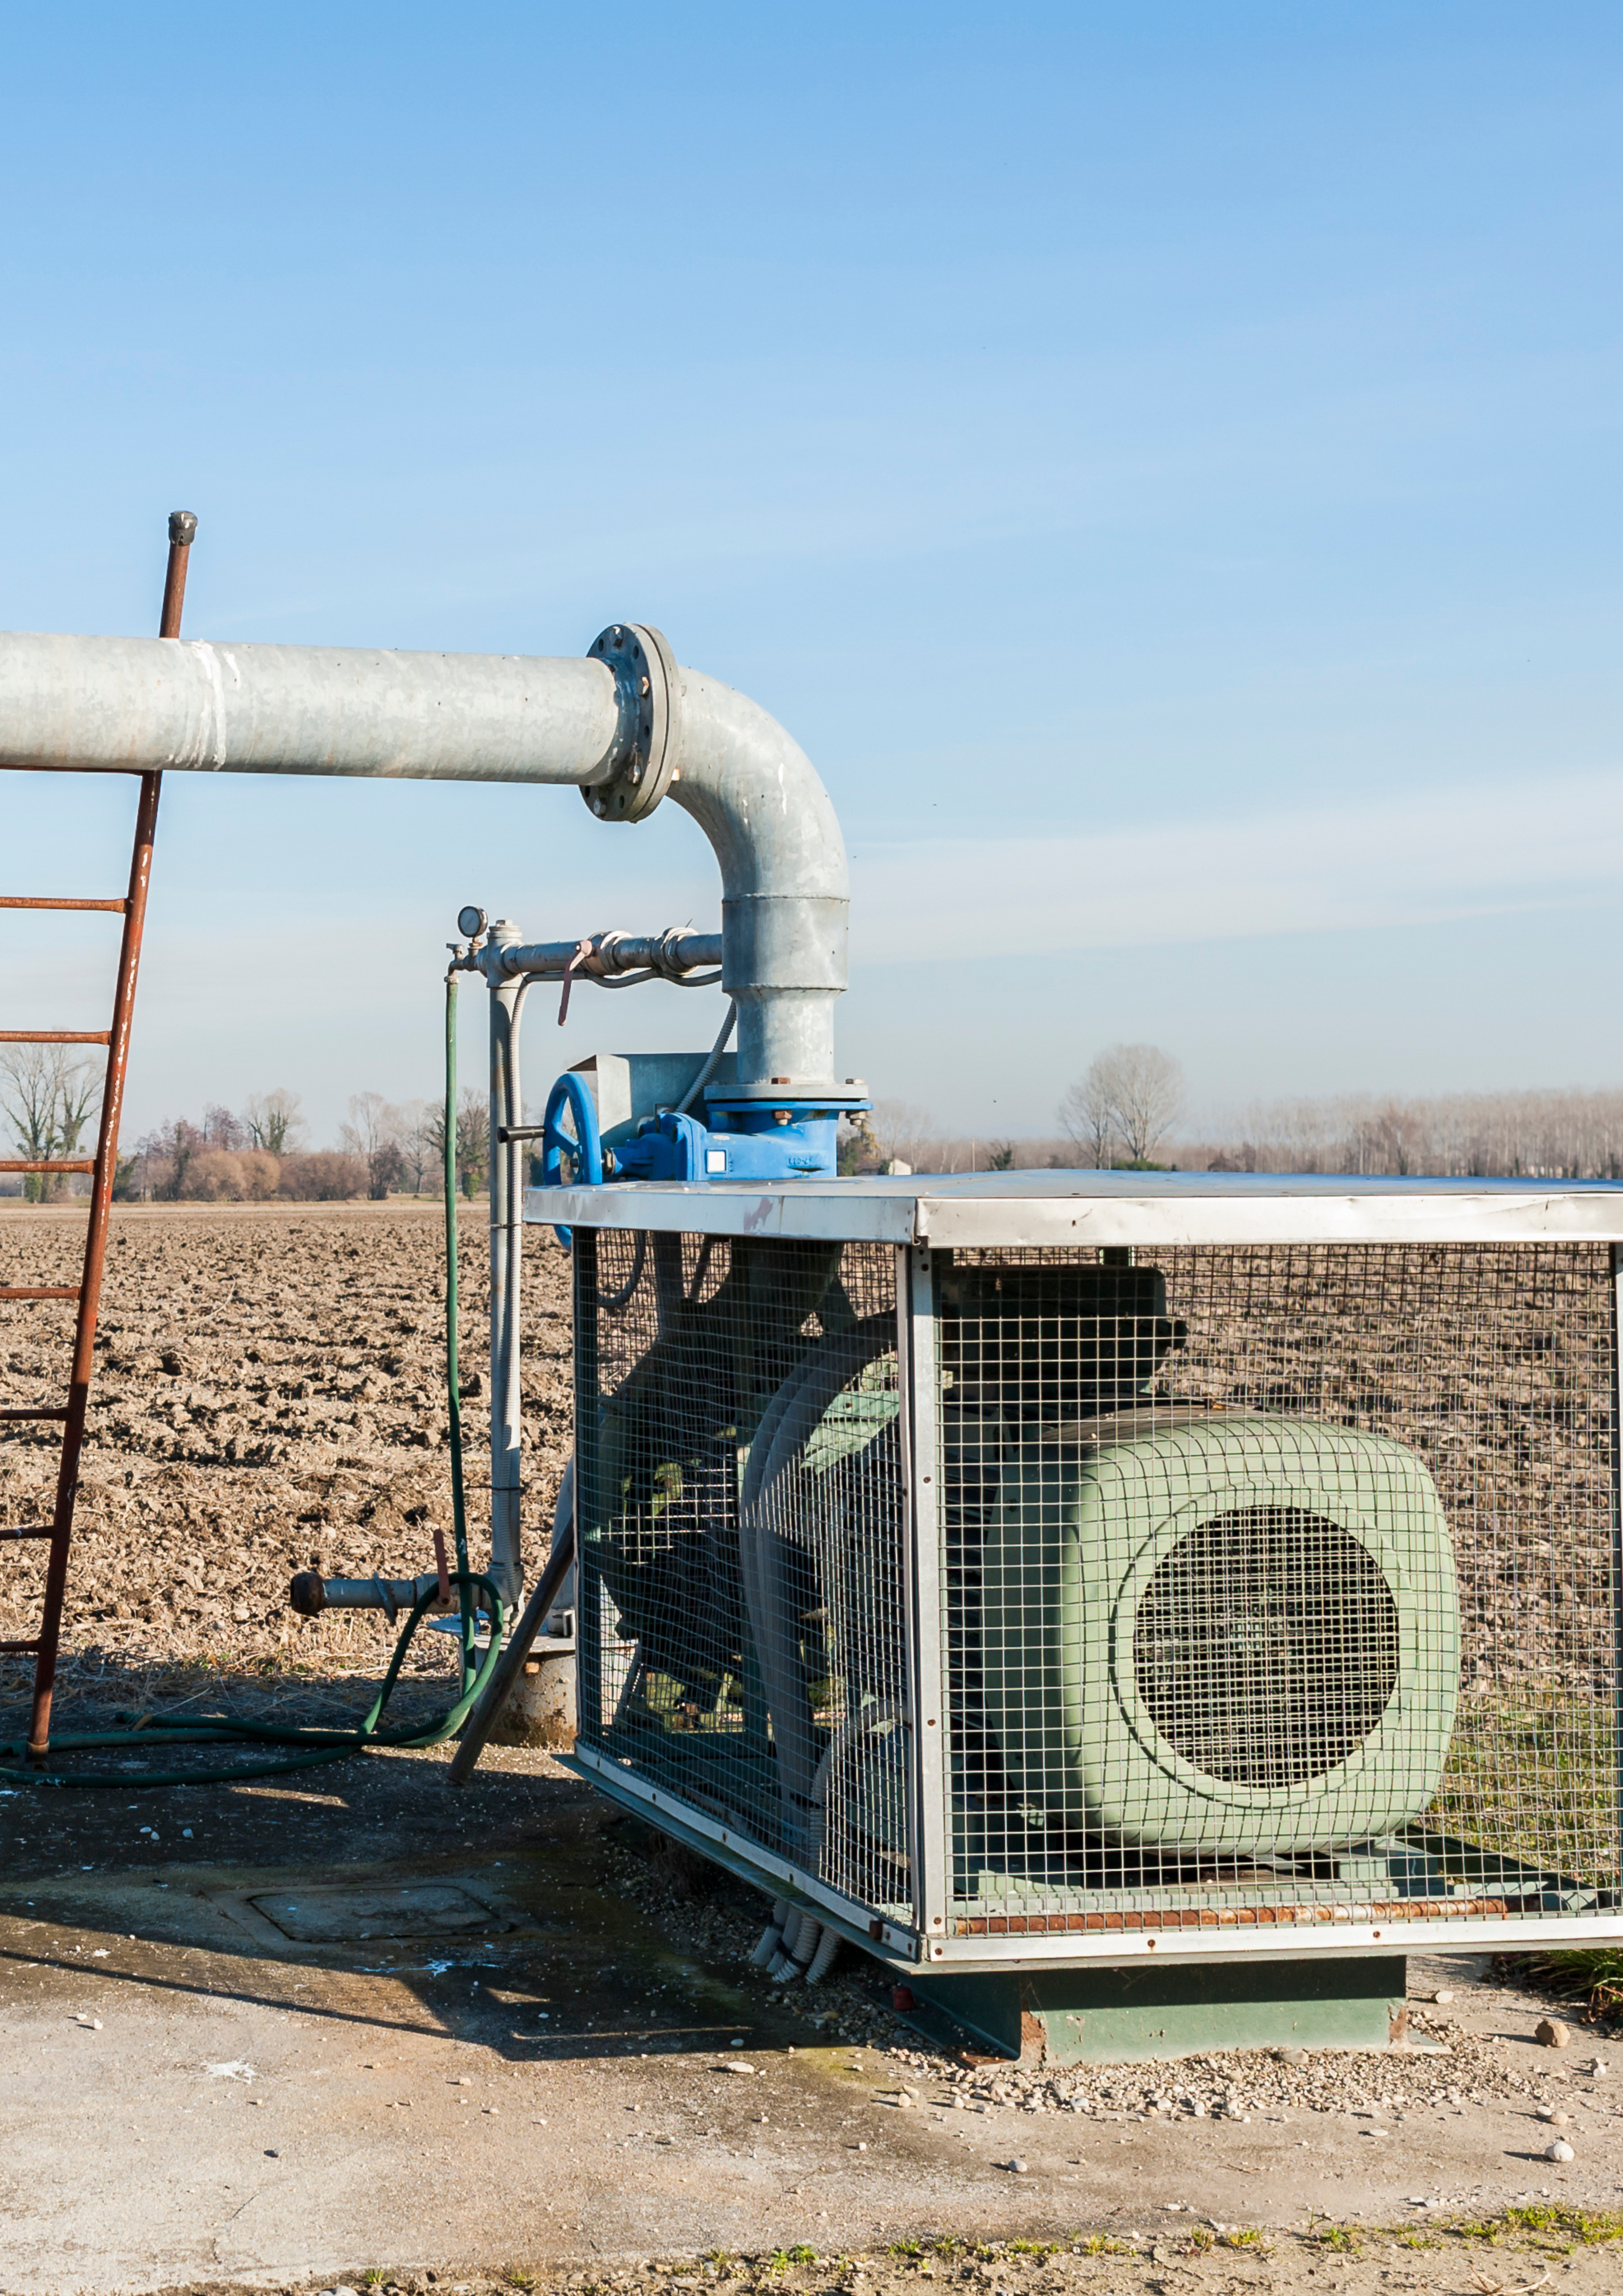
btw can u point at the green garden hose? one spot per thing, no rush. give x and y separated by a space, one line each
313 1746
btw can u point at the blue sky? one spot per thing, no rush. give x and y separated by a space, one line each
1161 462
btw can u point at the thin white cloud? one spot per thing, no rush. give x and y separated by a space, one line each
1397 860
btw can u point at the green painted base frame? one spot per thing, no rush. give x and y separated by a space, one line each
1090 2015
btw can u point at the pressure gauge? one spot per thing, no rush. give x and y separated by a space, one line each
470 922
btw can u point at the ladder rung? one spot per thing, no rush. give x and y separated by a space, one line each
55 1036
48 1164
28 1530
21 901
35 1411
34 1645
39 1290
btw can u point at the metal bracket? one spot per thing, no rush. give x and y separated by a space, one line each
649 732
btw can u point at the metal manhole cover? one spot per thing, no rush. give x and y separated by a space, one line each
343 1914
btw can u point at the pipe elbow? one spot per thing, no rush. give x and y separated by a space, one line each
756 794
785 880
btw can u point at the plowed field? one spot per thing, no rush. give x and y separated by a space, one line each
269 1389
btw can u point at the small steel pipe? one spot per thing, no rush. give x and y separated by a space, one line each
310 1594
612 954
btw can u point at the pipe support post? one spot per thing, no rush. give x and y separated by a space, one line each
506 1275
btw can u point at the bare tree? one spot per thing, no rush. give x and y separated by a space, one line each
1394 1140
374 1132
421 1143
28 1094
50 1100
371 1121
1147 1087
222 1129
905 1133
472 1137
1088 1114
168 1155
274 1120
1132 1094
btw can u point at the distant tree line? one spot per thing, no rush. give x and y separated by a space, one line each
1123 1114
1534 1135
51 1104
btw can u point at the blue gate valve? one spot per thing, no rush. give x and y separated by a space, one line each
583 1147
794 1139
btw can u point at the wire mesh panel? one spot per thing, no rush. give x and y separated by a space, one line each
1280 1586
742 1554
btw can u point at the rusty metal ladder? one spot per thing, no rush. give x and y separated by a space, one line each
104 1170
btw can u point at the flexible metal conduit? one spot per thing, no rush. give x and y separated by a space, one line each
626 725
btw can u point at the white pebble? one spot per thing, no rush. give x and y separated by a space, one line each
1560 2151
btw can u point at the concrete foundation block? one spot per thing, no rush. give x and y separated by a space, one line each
1092 2015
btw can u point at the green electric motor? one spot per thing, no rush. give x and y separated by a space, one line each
1218 1632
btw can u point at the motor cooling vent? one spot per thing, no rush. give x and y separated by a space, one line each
1267 1646
1208 1631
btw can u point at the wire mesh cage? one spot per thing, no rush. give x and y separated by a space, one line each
1011 1603
742 1633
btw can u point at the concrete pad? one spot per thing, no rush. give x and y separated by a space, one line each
546 2068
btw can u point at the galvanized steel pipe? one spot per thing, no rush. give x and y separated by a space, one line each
786 883
626 725
200 707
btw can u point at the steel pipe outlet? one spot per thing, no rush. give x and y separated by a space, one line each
626 725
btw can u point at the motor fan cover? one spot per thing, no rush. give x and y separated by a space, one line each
1219 1631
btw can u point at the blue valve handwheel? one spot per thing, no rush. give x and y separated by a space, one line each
583 1146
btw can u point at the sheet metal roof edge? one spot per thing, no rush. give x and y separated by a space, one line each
1114 1208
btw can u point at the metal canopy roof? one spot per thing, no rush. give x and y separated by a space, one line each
1055 1207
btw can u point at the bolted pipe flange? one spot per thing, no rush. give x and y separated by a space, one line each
645 752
